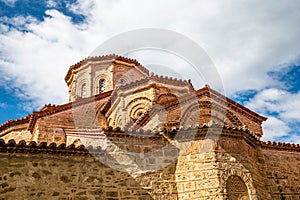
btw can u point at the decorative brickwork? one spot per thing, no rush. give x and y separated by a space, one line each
130 134
236 188
33 170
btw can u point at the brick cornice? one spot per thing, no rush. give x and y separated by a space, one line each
13 123
112 57
280 146
216 130
158 79
192 133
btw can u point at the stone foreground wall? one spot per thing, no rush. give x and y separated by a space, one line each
230 165
43 176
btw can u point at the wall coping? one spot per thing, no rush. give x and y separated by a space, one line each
199 132
196 133
280 146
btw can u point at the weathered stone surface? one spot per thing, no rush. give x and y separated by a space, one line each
283 173
146 137
63 177
263 173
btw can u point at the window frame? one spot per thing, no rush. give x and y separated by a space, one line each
83 90
101 86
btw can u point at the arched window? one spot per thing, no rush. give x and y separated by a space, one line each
83 90
101 86
236 189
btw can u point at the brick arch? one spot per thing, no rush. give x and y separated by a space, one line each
205 109
168 97
230 116
204 117
118 121
243 190
122 79
137 100
140 104
113 121
97 80
80 84
190 115
137 109
109 122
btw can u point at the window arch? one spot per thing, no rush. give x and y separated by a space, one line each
101 85
83 90
236 188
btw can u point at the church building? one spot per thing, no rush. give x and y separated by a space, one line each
128 133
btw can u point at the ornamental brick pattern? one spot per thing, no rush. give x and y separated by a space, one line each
130 134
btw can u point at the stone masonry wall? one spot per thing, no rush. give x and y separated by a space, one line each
42 173
194 166
202 171
49 171
283 173
64 177
241 157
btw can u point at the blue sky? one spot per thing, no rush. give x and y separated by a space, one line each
255 46
37 9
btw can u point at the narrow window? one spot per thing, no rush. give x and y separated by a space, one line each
101 86
83 90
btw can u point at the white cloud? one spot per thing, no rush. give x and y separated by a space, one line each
37 61
19 22
51 3
292 138
285 104
274 128
3 105
244 39
9 2
82 7
282 104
